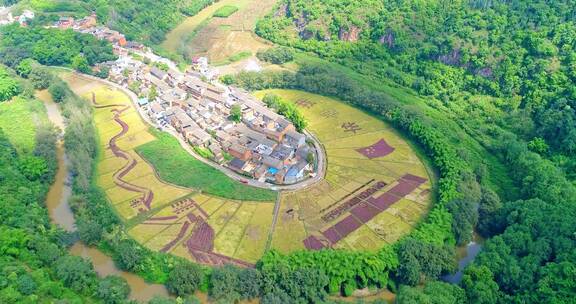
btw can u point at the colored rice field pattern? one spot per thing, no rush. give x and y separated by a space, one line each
176 220
375 191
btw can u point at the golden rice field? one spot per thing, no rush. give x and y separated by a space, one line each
241 228
343 130
214 230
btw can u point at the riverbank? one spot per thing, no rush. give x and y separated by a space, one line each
62 215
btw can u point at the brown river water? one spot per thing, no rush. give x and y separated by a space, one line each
61 214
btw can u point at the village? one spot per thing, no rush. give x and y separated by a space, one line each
223 124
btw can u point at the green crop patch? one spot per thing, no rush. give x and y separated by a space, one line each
176 166
225 11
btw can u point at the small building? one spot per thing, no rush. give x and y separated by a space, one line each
197 136
296 172
88 21
142 102
237 165
222 136
260 171
157 111
65 22
294 139
283 153
272 162
181 120
240 152
158 73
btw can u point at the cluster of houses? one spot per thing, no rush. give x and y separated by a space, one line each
89 25
262 145
6 16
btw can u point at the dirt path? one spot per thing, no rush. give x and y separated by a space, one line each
147 194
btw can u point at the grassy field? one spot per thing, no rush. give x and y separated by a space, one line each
225 11
176 166
343 130
221 39
18 120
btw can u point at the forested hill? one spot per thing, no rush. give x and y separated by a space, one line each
143 20
502 65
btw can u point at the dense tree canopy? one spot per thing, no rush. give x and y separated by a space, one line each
52 46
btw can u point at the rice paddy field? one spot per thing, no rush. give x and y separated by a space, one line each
375 191
376 187
165 217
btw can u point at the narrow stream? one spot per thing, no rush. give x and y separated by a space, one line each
466 255
61 214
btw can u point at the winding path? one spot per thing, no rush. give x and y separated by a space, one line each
147 194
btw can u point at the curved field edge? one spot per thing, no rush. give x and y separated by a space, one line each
456 133
174 165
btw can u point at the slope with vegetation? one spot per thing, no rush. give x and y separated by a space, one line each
34 263
147 21
504 72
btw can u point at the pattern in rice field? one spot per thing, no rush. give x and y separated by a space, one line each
147 195
375 190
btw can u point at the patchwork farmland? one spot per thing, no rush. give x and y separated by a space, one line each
375 189
162 216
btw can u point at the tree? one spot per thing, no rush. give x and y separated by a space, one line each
80 64
479 285
153 93
420 261
236 113
9 87
58 91
184 279
113 289
89 230
276 55
250 283
128 255
433 292
76 273
47 252
224 284
33 167
40 78
26 284
489 205
24 68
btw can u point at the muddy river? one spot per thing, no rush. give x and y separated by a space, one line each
61 214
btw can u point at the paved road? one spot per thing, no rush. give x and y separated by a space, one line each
298 186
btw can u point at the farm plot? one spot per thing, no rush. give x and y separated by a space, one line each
200 226
224 39
128 181
208 229
375 190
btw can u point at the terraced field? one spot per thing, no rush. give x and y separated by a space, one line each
221 38
376 188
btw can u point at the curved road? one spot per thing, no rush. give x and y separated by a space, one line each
293 187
